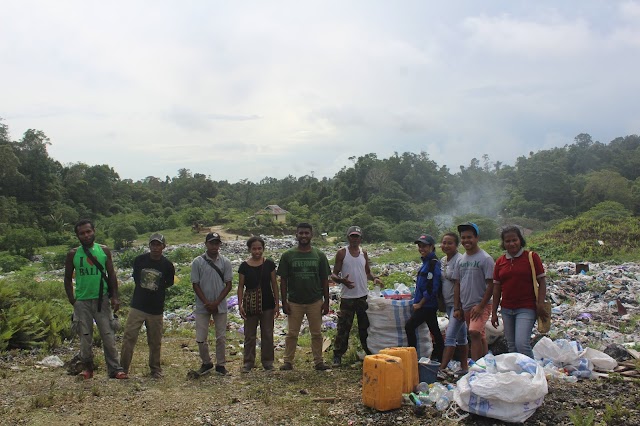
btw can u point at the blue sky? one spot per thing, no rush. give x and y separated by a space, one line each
248 89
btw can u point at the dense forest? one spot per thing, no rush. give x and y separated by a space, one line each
396 197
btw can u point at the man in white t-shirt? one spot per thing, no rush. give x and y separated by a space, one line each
351 269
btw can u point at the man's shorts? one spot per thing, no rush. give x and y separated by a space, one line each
478 324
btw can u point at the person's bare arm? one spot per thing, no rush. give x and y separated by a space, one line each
274 289
283 295
240 295
325 292
113 281
68 276
337 268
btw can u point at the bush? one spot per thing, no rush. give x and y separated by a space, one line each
125 259
410 230
53 261
10 263
24 241
183 254
179 295
375 231
123 236
60 239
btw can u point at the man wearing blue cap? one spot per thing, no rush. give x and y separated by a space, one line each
473 288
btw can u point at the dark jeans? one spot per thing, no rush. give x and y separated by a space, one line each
430 316
348 309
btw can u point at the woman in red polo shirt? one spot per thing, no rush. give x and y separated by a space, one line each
513 291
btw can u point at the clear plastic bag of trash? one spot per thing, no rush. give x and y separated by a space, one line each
51 361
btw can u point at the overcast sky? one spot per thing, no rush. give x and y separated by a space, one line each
248 89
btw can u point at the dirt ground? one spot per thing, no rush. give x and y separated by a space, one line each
32 395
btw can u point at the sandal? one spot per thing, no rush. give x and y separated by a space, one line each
120 375
86 374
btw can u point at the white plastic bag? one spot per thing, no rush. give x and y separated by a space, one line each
561 351
387 318
51 361
512 394
493 333
600 360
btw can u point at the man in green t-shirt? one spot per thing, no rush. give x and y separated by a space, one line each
94 298
304 283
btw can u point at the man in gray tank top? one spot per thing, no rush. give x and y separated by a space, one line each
351 269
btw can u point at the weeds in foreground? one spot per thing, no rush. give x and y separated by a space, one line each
615 414
580 417
44 400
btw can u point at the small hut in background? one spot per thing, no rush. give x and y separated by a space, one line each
277 213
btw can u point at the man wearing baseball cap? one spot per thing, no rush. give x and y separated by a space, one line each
425 300
473 288
211 276
351 269
153 274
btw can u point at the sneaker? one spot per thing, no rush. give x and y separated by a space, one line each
205 369
121 375
286 366
322 367
156 375
441 375
337 361
245 370
221 370
86 374
268 368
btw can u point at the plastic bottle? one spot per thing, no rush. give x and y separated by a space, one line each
443 403
415 399
424 398
490 362
436 392
422 387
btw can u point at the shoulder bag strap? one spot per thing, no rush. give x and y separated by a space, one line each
103 275
533 275
213 265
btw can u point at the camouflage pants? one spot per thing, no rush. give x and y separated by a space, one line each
348 309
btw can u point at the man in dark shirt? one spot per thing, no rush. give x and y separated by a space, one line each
153 274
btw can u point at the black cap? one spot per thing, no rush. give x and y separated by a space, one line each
425 239
212 236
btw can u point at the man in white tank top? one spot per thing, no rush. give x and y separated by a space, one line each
351 270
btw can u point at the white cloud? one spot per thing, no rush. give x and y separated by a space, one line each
285 88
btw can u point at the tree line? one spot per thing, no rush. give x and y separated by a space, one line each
396 197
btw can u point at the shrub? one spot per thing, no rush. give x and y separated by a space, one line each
10 263
123 236
410 230
24 241
375 231
183 254
53 261
125 259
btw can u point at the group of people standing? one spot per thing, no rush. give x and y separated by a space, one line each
472 287
466 281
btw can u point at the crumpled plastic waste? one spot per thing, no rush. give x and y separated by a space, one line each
51 361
